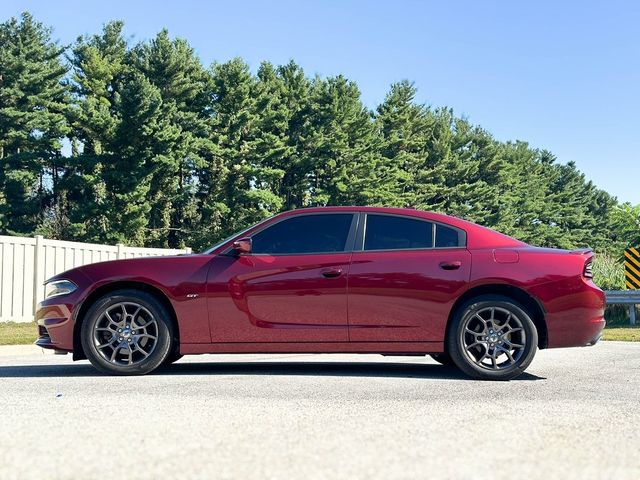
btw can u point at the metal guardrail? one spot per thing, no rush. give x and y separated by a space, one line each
624 297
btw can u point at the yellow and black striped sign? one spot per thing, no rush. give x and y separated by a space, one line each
632 268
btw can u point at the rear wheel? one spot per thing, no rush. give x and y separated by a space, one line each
492 337
127 332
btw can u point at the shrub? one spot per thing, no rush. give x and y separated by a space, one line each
608 272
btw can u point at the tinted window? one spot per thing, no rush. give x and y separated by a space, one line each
447 237
385 232
304 234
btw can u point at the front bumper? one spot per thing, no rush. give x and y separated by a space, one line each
55 326
55 316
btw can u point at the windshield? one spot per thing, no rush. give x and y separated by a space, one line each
237 234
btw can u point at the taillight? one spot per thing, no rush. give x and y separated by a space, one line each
588 269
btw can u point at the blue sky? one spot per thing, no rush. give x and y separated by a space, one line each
564 76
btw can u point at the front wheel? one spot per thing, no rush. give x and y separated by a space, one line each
172 358
492 337
127 332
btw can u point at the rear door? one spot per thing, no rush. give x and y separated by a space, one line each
405 275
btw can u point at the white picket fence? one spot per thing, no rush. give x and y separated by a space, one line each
25 263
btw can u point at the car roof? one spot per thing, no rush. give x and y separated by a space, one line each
477 235
412 212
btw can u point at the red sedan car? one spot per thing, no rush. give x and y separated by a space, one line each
332 280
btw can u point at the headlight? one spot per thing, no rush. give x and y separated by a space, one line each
58 287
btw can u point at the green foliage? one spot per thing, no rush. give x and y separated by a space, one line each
34 101
608 272
626 221
167 152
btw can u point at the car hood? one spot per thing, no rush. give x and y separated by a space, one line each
157 268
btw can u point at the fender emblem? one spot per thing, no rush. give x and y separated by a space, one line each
192 295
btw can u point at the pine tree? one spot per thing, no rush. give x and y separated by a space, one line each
295 105
33 103
180 136
464 168
271 144
403 127
339 145
241 194
99 75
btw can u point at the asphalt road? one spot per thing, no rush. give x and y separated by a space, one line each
575 414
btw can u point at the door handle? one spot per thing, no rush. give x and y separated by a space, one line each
331 272
451 265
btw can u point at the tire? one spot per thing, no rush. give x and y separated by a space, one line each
172 358
443 359
483 330
127 332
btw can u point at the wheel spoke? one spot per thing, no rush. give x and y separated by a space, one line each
475 344
135 314
111 320
472 332
505 324
508 354
140 349
114 353
146 335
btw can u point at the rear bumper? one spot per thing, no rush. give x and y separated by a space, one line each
578 333
574 312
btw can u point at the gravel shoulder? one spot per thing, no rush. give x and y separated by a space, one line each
575 414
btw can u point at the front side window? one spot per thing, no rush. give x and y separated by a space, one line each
386 232
322 233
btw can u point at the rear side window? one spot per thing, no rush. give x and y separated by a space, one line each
324 233
447 237
385 232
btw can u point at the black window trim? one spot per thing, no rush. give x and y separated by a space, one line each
362 230
349 246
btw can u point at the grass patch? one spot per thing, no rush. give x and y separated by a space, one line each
18 333
618 327
622 334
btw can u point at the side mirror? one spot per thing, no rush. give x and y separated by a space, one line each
242 245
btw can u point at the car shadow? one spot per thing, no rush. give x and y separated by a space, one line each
327 369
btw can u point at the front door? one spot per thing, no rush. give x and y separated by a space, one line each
292 287
404 278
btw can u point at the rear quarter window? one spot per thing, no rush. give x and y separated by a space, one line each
448 237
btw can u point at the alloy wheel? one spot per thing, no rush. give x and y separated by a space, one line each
493 338
125 334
